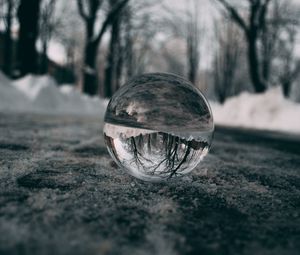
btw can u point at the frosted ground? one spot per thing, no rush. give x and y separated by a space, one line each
61 193
40 94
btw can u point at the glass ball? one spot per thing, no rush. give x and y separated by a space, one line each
158 126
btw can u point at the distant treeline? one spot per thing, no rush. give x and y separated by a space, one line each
252 45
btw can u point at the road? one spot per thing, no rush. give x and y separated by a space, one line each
60 193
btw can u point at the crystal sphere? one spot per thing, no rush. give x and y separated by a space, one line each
158 126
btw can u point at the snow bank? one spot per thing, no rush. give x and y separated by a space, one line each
270 111
12 99
46 97
42 95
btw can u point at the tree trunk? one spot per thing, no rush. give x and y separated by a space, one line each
120 64
266 67
93 40
44 59
192 72
254 66
128 48
111 72
28 15
267 56
90 76
286 87
8 40
192 52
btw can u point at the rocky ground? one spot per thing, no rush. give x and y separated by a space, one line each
60 193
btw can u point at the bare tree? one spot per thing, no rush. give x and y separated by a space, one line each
174 54
282 17
132 34
252 27
139 32
269 40
193 36
28 16
287 22
290 65
88 11
71 46
7 7
226 59
186 25
48 23
69 32
128 41
115 55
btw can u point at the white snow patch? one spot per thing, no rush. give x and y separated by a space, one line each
40 94
11 99
269 111
89 70
117 131
32 86
134 108
67 89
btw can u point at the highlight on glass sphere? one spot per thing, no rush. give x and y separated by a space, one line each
158 126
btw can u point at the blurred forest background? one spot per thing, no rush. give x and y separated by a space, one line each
222 46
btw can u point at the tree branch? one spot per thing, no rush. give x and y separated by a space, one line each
262 14
109 19
234 15
81 10
296 71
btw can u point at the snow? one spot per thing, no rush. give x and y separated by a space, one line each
11 99
40 94
115 131
32 86
56 51
89 70
269 111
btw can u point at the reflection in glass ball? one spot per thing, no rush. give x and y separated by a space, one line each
158 126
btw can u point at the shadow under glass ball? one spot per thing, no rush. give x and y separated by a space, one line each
158 126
